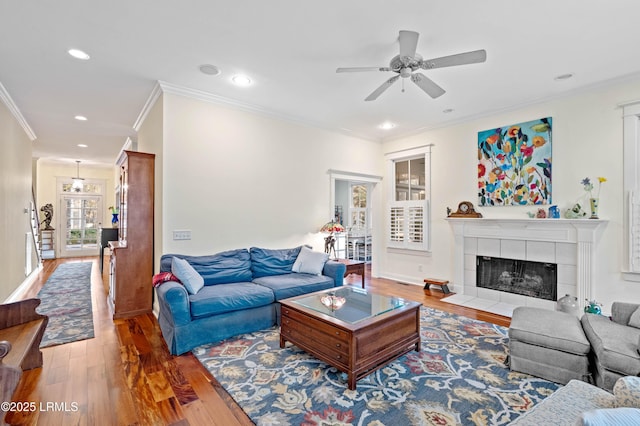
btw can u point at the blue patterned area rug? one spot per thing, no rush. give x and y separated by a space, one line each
66 299
458 378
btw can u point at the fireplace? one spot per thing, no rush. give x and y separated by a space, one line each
524 277
568 243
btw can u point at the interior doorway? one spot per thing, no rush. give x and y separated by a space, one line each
354 198
354 212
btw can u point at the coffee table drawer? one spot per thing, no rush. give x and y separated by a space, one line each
314 325
336 353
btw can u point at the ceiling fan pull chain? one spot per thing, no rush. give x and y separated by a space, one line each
403 85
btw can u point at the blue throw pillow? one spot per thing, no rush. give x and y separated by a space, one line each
189 277
310 262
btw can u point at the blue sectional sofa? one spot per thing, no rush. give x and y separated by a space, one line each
240 294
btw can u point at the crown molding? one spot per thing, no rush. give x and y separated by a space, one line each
15 111
201 95
148 105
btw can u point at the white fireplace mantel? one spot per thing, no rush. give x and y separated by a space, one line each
581 234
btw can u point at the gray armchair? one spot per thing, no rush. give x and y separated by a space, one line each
614 344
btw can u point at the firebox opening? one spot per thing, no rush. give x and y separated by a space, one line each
533 279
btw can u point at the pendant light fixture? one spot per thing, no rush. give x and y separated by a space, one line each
78 182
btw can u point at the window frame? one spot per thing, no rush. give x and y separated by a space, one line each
631 190
408 206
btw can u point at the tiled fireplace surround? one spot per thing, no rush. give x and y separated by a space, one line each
568 243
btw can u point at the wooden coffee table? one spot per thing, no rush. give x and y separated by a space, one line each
367 332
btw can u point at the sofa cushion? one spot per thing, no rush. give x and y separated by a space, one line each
188 276
233 266
222 298
615 345
294 284
310 262
268 262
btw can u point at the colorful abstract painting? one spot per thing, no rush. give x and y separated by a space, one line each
514 164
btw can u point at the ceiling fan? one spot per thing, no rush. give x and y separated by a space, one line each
408 62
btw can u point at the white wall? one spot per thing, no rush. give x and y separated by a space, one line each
239 179
587 141
15 195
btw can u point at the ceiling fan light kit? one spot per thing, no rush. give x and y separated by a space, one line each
408 62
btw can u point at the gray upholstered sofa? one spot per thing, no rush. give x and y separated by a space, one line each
614 343
240 293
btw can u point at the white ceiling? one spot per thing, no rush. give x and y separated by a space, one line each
291 50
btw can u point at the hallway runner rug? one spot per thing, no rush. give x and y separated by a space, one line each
458 378
66 299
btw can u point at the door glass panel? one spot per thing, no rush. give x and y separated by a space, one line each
81 220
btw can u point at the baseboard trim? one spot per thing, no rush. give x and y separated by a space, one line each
26 285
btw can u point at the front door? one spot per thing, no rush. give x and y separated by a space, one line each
79 219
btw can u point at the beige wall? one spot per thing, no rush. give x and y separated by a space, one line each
15 197
587 141
239 179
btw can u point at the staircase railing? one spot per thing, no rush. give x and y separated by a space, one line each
34 218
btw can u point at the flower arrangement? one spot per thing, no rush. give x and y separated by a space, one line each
588 186
114 210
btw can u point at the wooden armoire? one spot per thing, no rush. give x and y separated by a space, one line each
131 262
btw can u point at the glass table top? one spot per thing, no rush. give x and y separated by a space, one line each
350 304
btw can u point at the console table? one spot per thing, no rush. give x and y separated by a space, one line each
106 235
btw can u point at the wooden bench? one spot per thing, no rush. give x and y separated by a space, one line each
440 283
21 331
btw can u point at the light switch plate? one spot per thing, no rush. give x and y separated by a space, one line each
182 235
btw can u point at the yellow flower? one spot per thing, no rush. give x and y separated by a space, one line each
538 141
602 179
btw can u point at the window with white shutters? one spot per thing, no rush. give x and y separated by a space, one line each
396 224
408 203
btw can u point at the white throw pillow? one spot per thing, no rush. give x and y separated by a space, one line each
634 321
189 277
310 262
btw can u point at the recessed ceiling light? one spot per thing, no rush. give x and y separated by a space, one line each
210 69
80 118
82 145
241 80
448 110
387 125
561 77
79 54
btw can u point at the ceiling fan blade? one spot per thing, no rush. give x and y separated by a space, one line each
408 45
359 69
384 86
426 84
452 60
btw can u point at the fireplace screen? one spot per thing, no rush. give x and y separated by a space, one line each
533 279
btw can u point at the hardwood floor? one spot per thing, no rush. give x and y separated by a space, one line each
126 376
